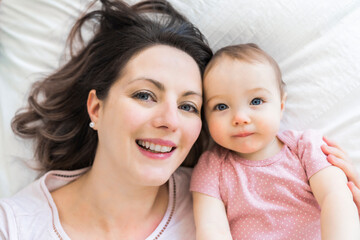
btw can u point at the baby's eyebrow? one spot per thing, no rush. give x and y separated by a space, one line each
210 99
260 89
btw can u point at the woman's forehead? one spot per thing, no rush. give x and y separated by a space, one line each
163 64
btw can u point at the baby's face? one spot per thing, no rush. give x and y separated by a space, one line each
243 106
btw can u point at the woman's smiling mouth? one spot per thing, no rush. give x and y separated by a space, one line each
156 148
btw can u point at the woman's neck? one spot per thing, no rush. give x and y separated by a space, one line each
98 204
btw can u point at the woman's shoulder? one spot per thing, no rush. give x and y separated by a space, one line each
31 199
30 212
183 173
24 212
182 224
26 200
182 178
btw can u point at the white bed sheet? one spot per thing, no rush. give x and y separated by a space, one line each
317 45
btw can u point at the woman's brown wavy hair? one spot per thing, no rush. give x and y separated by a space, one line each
56 116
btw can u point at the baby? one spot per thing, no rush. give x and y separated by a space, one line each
257 182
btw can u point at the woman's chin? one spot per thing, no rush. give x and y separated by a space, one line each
155 177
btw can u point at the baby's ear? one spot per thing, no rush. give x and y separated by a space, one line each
283 100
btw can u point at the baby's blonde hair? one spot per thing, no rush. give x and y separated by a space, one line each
250 53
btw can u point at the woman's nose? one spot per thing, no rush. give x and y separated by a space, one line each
167 117
240 118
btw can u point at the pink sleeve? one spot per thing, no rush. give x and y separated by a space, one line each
307 146
205 177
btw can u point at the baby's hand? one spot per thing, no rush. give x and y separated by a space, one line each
338 157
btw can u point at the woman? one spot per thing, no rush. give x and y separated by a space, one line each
138 83
127 104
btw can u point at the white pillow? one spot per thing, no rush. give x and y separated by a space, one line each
316 44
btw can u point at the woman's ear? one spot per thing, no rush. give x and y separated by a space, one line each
93 107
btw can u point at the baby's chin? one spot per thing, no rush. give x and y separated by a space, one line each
244 149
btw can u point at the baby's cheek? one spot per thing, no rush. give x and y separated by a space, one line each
270 126
217 130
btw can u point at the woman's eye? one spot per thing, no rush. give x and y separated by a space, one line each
221 107
188 108
256 101
144 96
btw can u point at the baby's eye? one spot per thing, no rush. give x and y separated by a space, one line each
256 101
221 107
144 96
189 108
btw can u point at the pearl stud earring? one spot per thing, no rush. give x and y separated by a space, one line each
91 124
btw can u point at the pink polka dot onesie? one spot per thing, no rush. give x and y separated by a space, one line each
266 199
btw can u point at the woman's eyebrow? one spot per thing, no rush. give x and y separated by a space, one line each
188 93
156 83
161 86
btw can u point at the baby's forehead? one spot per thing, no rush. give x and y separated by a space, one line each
242 75
237 62
249 61
225 65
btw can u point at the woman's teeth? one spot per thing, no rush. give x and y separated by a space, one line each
154 147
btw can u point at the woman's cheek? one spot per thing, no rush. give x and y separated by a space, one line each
192 130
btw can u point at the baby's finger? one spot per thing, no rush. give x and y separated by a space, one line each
356 194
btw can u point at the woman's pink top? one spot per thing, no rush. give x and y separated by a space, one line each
267 199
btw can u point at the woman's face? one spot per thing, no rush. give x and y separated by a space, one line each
151 116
